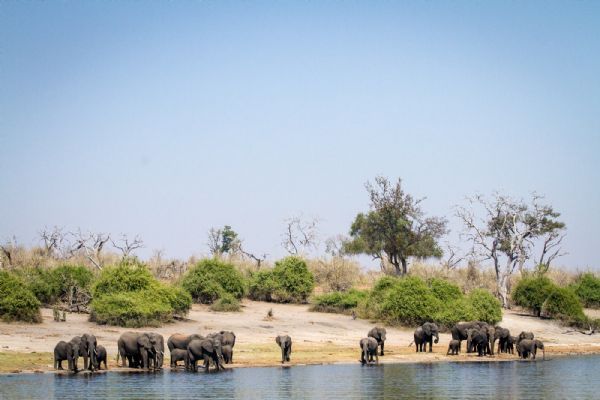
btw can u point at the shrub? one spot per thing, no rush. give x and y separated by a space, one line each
373 304
226 303
295 281
485 306
531 292
179 299
41 282
125 277
410 301
453 312
444 290
211 279
563 304
339 302
336 274
262 285
587 288
17 302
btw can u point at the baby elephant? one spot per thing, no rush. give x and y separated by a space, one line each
227 354
101 356
368 349
453 347
285 342
178 355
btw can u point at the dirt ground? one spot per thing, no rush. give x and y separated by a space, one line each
317 337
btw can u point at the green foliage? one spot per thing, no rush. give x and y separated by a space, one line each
455 311
411 302
226 303
128 295
41 282
587 288
210 279
395 226
339 302
486 307
563 304
295 281
262 285
444 290
17 302
531 292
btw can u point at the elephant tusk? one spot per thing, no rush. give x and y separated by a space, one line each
95 352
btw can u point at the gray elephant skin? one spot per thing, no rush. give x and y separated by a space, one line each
227 354
453 347
101 357
503 337
66 351
379 334
207 349
477 340
459 331
140 349
425 334
87 349
285 343
368 349
528 348
178 355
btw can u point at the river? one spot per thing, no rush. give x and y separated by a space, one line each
558 378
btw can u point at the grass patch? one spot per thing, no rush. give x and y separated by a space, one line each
16 362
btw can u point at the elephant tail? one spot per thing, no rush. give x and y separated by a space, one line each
118 352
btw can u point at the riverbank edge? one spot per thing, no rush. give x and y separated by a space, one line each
424 358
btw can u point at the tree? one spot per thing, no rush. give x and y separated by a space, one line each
223 241
127 246
395 228
508 232
300 235
91 245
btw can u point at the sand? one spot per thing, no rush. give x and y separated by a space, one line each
317 337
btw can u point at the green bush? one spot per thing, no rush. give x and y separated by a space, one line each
411 302
262 285
17 302
485 306
563 304
453 312
211 279
531 292
128 295
50 285
295 281
444 290
339 302
226 303
72 276
587 288
41 282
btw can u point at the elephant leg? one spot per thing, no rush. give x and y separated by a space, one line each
206 364
376 357
382 344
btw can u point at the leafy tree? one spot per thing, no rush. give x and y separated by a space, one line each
587 288
295 281
395 228
223 241
210 279
531 292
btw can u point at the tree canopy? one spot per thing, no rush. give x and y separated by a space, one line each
395 228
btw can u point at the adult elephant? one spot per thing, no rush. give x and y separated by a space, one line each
87 349
425 334
502 335
379 334
477 340
180 341
285 342
524 335
159 354
528 347
66 351
207 349
459 331
368 349
139 349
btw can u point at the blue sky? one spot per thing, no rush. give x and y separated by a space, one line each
166 118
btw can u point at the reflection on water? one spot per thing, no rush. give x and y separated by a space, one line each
559 378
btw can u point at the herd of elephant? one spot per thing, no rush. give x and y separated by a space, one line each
146 350
480 336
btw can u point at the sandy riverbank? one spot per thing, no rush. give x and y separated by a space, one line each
318 337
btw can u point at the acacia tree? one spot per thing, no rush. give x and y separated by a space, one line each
395 228
508 233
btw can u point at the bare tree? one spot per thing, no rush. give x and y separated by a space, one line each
507 232
334 246
7 249
300 236
453 256
214 241
128 246
258 258
91 244
52 239
551 249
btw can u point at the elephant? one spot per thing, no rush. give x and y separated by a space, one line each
368 349
285 342
459 331
66 351
477 340
510 344
378 334
178 355
228 338
139 349
101 356
528 347
227 353
160 347
503 336
181 341
206 350
523 335
453 347
87 349
424 334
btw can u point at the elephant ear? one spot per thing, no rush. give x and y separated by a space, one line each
427 329
278 340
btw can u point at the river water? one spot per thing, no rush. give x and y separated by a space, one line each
559 378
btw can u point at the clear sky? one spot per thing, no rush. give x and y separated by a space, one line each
166 118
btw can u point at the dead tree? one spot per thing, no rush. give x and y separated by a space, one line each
453 257
7 250
127 246
91 245
300 236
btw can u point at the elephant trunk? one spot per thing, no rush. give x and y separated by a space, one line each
437 338
366 353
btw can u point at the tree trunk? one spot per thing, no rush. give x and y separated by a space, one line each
404 266
502 285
